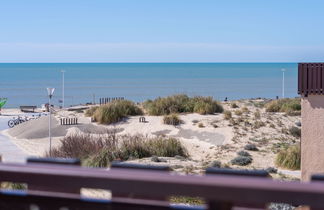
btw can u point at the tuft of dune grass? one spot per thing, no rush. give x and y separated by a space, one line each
289 158
290 106
182 104
114 111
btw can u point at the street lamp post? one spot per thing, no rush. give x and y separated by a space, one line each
50 92
63 86
283 82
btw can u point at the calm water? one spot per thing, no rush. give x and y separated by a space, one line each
25 84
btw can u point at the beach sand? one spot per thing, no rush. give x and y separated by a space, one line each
218 139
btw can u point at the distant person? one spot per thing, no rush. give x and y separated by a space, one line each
277 97
225 99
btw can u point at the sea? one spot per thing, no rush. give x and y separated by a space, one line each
26 83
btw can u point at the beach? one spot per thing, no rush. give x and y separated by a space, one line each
206 137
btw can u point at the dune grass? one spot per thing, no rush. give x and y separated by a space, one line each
227 115
290 106
289 158
182 104
100 150
90 112
114 111
172 119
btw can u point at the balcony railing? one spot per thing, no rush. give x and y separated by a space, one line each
58 187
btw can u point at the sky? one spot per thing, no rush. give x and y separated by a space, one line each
161 31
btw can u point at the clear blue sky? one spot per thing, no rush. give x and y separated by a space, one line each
161 31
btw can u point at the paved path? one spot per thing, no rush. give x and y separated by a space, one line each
8 150
11 152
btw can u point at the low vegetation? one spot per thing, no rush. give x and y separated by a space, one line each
238 112
215 164
13 186
114 112
234 105
182 104
258 124
100 150
251 147
201 125
289 158
290 106
257 115
227 115
187 200
243 153
295 132
172 119
241 160
90 112
245 110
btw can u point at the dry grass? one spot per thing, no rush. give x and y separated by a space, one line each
100 150
90 112
182 104
115 111
172 119
289 158
227 115
238 112
291 106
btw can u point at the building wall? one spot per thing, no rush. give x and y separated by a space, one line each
312 136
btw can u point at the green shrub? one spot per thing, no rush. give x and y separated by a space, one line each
227 115
115 111
238 112
294 131
172 119
271 170
234 105
257 115
243 153
195 121
288 105
289 158
13 186
182 104
216 164
251 147
201 125
100 150
89 112
187 200
258 124
245 110
241 161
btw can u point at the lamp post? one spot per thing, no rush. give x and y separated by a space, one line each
50 92
63 86
283 82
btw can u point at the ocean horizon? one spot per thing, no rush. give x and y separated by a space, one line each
26 83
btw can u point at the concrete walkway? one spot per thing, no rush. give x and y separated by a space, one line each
8 150
11 152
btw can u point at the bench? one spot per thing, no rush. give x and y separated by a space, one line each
28 108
